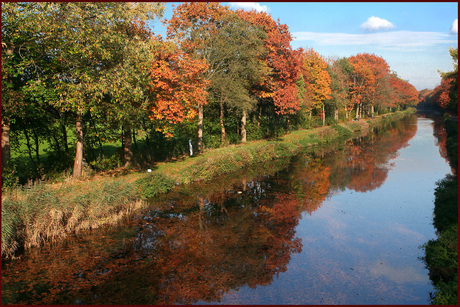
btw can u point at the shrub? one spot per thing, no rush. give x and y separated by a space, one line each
153 184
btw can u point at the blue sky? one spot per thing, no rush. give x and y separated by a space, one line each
413 37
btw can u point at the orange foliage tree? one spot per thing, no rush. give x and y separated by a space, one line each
316 78
369 80
177 86
442 91
193 26
402 92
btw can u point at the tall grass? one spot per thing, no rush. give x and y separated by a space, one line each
43 212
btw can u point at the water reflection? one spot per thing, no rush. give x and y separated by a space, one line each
202 241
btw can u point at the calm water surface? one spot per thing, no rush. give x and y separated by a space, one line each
336 227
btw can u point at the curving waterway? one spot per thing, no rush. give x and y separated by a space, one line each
341 226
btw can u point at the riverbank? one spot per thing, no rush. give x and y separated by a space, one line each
46 212
441 254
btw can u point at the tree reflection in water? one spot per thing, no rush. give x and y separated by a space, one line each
202 240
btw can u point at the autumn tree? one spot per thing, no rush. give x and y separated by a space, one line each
26 90
452 79
441 93
193 26
402 94
317 79
340 71
127 80
279 86
369 80
238 46
177 87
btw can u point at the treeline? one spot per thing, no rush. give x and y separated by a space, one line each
79 76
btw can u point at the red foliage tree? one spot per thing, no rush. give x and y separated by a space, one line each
284 63
369 79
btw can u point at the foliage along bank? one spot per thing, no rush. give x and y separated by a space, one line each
78 77
44 212
441 254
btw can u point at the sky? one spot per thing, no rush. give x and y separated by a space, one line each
412 37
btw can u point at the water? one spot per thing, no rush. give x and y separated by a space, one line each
342 227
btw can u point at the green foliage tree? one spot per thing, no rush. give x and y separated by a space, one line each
81 48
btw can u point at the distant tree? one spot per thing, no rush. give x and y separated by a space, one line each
340 71
369 80
403 94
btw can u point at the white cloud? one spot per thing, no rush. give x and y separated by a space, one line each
394 40
375 23
454 27
249 6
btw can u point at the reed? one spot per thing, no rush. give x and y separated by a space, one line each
45 212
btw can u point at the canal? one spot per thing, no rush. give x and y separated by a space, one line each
335 226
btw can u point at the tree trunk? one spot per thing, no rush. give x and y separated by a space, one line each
243 127
222 126
259 117
372 111
29 148
127 147
6 148
200 128
324 117
288 126
64 136
357 111
78 166
134 139
336 114
56 141
37 146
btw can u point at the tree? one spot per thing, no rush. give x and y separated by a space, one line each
280 85
193 26
177 87
441 93
402 93
128 80
341 71
82 43
317 79
452 78
237 46
369 80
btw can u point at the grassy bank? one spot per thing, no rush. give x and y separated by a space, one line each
44 212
